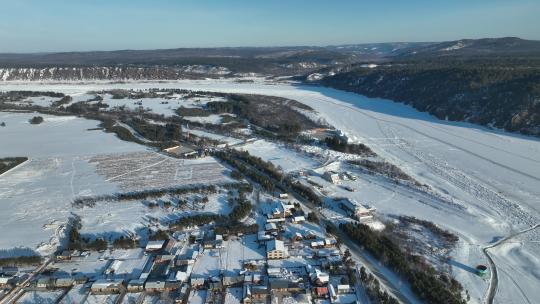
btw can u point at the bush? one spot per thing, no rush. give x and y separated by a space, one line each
240 211
36 120
125 243
313 217
341 145
158 235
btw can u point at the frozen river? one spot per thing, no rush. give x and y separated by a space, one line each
493 175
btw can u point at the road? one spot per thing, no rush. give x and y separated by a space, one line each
494 278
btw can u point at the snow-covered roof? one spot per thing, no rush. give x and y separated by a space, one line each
155 245
100 284
275 245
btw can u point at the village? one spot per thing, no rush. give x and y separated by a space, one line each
289 260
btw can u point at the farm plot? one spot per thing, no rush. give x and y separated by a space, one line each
112 219
148 170
36 196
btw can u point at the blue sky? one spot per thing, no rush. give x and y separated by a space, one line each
75 25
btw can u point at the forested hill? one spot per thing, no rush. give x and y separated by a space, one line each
495 90
502 95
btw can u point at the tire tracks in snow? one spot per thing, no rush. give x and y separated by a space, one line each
494 278
504 207
355 109
138 169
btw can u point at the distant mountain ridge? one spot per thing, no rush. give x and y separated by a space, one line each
506 46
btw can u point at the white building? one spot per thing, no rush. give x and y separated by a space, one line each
275 249
357 210
331 176
155 245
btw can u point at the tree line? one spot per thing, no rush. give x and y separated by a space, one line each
429 285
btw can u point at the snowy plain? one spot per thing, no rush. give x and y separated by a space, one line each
68 158
493 176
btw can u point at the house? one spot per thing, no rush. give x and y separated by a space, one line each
64 256
321 292
275 249
182 151
64 282
357 210
310 235
331 176
197 281
343 288
296 237
219 241
283 210
286 208
45 283
259 293
136 285
232 279
153 246
211 242
326 253
284 285
170 245
262 237
9 270
160 286
164 258
328 243
320 278
271 227
107 286
317 244
257 278
299 219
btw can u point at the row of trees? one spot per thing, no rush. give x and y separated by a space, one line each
20 260
341 145
147 194
425 282
271 175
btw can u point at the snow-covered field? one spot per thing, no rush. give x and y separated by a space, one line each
162 106
54 174
67 160
279 155
111 219
140 170
491 176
